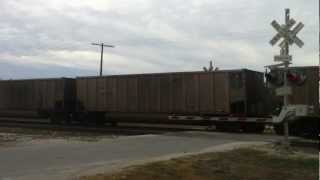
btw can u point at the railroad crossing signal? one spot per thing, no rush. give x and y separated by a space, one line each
285 32
289 37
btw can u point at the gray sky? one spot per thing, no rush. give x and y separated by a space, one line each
52 38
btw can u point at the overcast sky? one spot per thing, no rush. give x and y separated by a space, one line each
41 38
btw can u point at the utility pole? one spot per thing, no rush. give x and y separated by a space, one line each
102 45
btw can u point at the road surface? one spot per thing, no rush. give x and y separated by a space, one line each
66 159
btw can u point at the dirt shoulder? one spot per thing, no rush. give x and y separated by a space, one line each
238 164
13 136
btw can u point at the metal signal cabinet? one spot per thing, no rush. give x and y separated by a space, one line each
36 97
223 93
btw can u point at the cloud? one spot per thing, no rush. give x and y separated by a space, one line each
150 35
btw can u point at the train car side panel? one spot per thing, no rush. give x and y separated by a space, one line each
307 93
254 83
191 82
206 104
101 93
34 97
92 94
221 93
178 93
111 97
132 94
122 95
165 94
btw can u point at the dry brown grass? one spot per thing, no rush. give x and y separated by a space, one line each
241 164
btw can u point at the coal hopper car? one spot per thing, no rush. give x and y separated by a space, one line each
37 98
155 97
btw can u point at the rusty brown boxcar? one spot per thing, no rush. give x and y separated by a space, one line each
305 92
225 92
36 97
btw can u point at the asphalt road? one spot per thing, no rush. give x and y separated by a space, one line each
61 159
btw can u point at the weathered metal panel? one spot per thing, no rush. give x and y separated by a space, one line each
15 94
59 90
307 93
255 94
36 95
70 94
32 95
132 94
144 86
101 94
92 93
81 93
2 94
52 94
178 93
191 82
111 96
23 96
165 94
155 101
221 93
237 95
44 96
122 94
206 92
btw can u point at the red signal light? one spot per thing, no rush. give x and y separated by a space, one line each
296 78
293 77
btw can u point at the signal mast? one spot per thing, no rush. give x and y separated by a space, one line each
289 37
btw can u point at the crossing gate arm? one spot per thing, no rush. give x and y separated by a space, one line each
221 119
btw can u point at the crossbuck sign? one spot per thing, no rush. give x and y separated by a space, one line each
285 32
289 37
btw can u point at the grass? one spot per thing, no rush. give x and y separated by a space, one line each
240 164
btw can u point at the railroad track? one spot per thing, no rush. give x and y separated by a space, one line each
123 129
126 129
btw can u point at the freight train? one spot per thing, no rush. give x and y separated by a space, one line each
231 100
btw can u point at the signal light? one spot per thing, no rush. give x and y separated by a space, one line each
270 77
296 78
274 79
293 77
